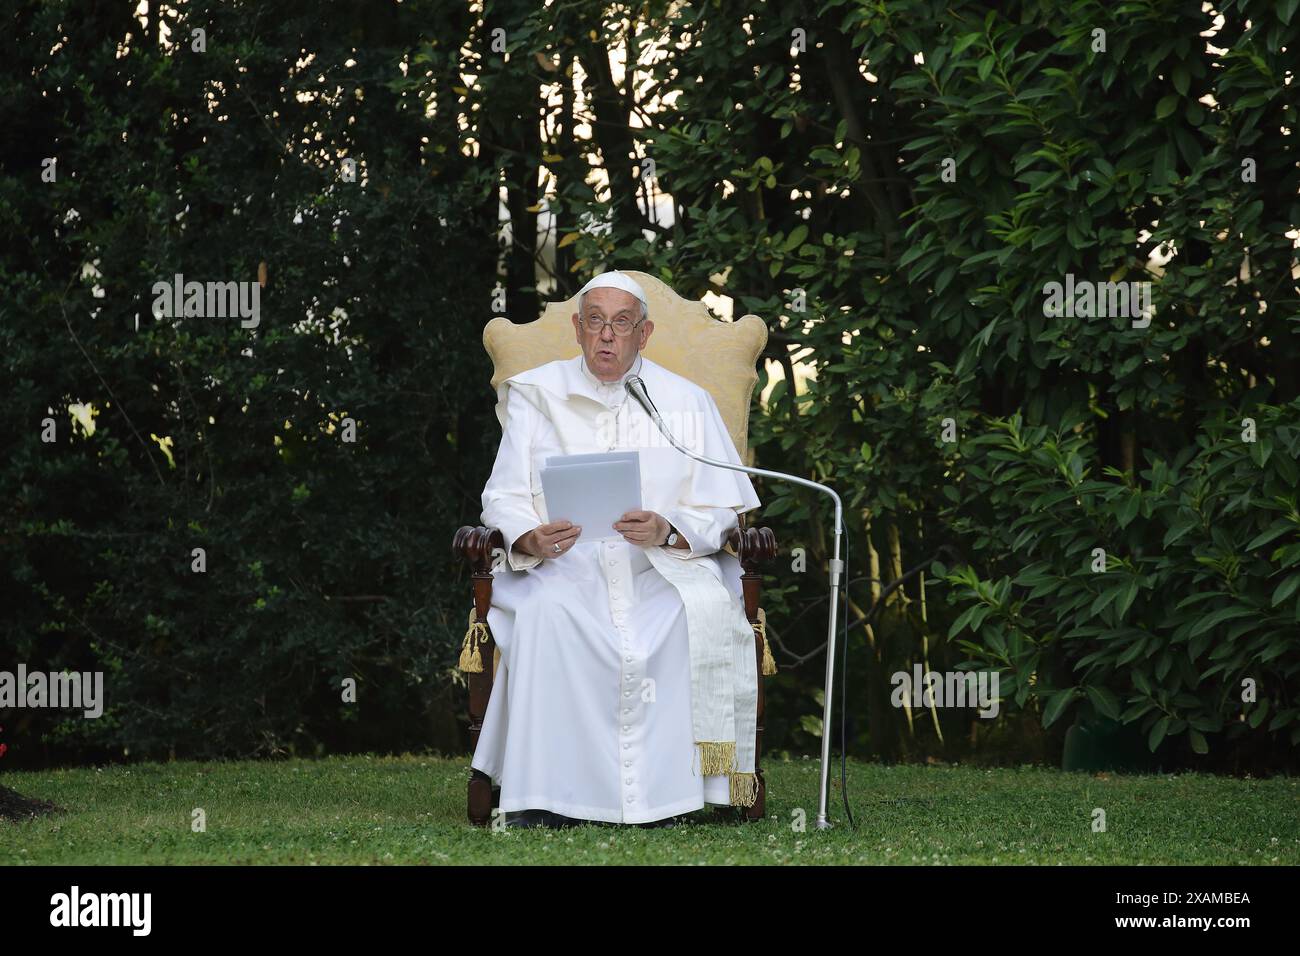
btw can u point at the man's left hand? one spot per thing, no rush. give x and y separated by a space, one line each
644 528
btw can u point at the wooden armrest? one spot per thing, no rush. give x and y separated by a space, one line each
475 545
753 546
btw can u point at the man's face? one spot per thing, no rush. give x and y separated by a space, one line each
609 355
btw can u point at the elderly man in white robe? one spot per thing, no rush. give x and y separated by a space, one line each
627 686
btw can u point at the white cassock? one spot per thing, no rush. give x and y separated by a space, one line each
590 712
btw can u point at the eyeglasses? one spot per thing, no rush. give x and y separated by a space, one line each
621 326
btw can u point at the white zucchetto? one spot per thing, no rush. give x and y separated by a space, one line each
616 280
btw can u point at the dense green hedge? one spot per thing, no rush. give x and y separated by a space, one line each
949 390
326 559
1168 597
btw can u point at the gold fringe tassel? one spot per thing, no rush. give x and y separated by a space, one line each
471 659
769 662
719 757
716 756
744 789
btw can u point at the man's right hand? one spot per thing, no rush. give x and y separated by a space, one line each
541 541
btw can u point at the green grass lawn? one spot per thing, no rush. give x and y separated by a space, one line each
411 809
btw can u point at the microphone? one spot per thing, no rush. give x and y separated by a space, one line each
636 388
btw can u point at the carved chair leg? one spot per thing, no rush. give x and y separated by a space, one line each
476 544
751 583
482 795
480 798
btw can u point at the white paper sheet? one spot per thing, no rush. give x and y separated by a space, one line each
593 491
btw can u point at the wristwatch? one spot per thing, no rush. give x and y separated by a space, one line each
672 536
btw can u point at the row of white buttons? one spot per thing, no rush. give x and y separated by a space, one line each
617 555
618 600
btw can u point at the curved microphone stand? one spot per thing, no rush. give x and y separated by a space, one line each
636 388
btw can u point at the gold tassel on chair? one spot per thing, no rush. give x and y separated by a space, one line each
471 659
769 662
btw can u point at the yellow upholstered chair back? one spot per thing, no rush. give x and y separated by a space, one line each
718 356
